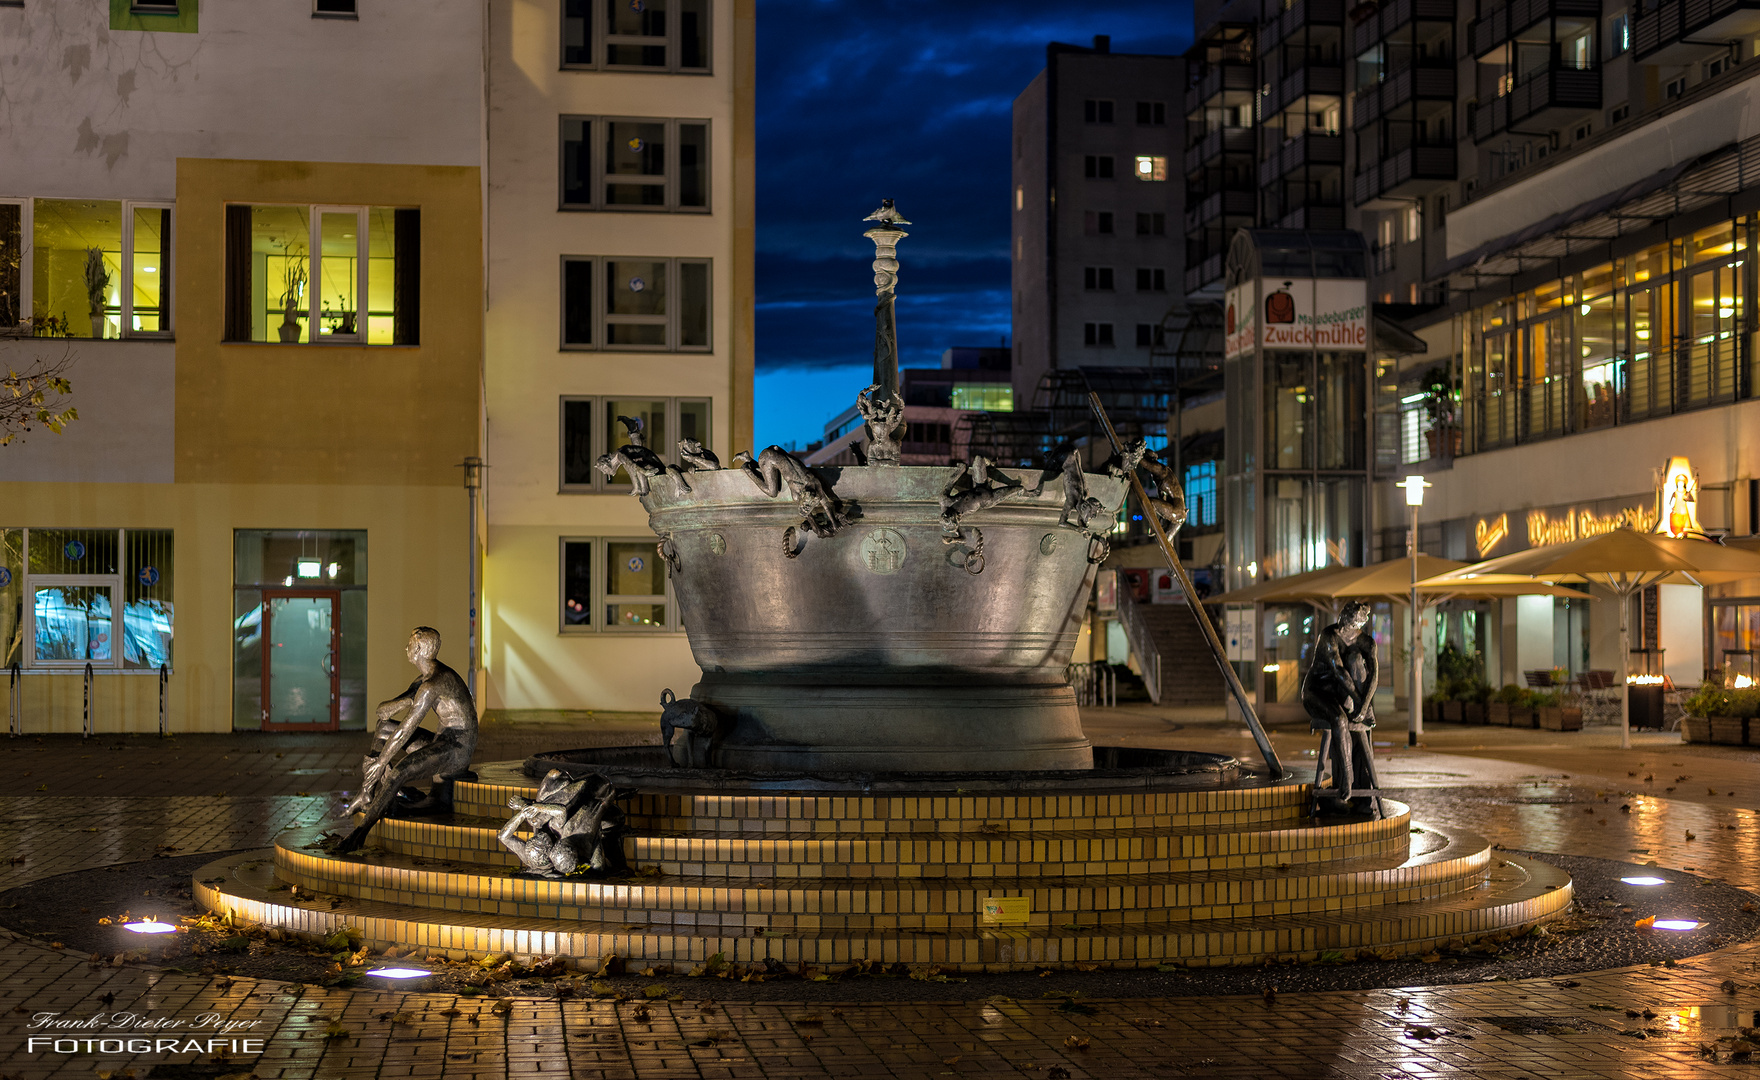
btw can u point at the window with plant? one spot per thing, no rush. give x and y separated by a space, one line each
85 268
324 274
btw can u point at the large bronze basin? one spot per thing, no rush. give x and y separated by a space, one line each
878 649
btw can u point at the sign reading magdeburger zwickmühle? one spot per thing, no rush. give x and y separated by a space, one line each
1296 313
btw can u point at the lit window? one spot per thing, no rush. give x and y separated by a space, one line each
1200 488
97 596
638 304
611 163
988 397
336 274
1151 167
86 268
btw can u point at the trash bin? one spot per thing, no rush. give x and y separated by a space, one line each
1646 704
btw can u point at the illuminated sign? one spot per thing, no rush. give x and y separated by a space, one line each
1544 529
1561 526
1489 533
1296 313
1677 500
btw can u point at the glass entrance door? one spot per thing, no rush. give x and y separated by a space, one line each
301 638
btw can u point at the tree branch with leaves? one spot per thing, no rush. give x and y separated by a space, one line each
36 396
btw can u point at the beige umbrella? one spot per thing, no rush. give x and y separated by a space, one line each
1625 561
1277 590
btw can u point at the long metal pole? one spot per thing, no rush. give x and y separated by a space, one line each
472 481
1415 717
1272 765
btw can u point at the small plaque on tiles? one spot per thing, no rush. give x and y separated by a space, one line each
1007 909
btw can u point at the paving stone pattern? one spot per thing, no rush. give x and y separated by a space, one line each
1458 1031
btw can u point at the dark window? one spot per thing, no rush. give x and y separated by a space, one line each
693 34
577 302
1097 333
1619 114
1151 224
639 303
635 34
333 7
154 7
1097 277
1097 166
1151 279
643 164
577 443
1097 222
1151 335
11 262
577 33
1097 111
577 162
1152 113
577 584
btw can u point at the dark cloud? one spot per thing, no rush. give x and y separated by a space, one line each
907 100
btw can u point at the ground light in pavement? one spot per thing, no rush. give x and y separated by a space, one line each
1677 924
150 927
400 973
1644 880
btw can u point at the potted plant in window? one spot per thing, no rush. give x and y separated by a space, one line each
1442 433
97 288
293 286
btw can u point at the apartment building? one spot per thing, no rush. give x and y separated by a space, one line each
1097 192
253 231
340 277
620 276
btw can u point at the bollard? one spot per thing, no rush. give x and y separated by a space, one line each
86 723
164 678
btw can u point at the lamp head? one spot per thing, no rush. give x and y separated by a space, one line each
1414 486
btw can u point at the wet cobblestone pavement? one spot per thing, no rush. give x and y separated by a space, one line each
1631 1021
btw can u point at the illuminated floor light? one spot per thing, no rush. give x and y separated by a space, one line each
1644 880
400 973
150 927
1677 924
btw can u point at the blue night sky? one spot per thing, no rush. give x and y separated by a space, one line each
908 100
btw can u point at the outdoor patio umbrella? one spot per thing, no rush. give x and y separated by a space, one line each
1277 590
1625 561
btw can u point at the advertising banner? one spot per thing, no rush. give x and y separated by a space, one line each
1296 313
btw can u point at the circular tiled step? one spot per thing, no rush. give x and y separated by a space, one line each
982 852
933 902
1516 893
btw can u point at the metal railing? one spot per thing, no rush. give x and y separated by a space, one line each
1142 642
85 726
1095 684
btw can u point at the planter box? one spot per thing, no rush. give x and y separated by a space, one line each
1451 711
1695 729
1727 730
1560 718
1497 713
1524 717
1473 712
1430 712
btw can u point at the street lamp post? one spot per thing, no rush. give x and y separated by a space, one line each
1415 486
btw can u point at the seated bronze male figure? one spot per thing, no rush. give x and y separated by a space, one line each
404 753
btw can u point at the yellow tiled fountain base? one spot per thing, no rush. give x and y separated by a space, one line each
1131 878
